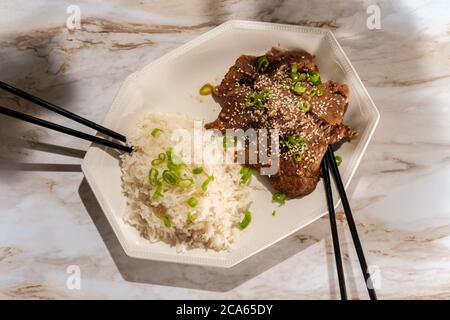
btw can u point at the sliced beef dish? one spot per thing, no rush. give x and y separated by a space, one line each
282 90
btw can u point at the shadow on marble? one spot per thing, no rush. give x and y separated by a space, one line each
34 69
9 167
198 277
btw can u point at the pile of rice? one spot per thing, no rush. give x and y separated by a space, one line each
218 212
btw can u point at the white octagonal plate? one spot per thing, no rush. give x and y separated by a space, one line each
171 83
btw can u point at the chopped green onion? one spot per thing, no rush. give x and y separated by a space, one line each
175 166
294 74
197 170
152 176
295 139
311 92
246 220
279 197
206 182
292 141
166 221
319 92
294 68
173 157
274 213
257 99
305 106
206 89
156 132
298 87
186 183
314 77
303 76
159 160
170 177
246 174
227 140
263 63
158 191
192 202
298 157
338 160
191 217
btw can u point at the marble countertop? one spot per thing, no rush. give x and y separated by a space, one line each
51 222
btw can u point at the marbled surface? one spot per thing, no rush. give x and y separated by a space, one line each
50 220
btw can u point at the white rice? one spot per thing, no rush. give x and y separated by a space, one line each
219 209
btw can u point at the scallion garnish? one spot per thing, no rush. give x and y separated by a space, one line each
170 177
303 76
246 220
246 174
298 157
274 213
338 160
159 160
186 183
292 141
279 197
298 87
258 99
197 170
319 92
191 217
294 74
294 68
192 202
304 106
227 140
158 191
152 176
206 183
166 221
156 132
206 89
314 77
263 63
174 162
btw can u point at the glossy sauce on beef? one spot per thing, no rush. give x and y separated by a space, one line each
318 122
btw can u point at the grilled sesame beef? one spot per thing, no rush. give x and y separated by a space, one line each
286 95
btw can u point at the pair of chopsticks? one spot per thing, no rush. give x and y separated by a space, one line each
67 114
329 164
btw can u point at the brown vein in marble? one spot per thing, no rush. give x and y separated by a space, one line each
129 46
329 24
303 238
7 252
406 83
408 166
107 26
31 291
95 32
41 291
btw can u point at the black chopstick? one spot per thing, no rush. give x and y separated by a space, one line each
61 111
59 128
329 156
334 232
